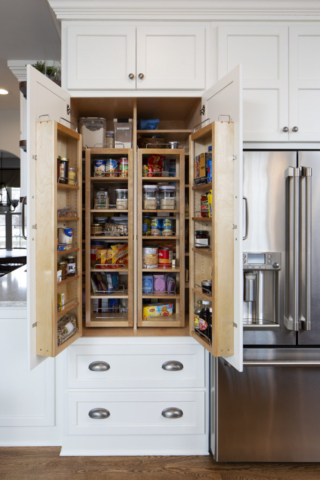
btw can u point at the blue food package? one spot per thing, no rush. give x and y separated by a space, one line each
148 124
147 284
112 281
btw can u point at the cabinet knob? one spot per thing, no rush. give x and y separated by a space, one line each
172 366
99 366
131 76
285 129
141 76
99 413
172 413
295 129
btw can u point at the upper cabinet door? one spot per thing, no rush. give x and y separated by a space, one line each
101 57
263 53
45 101
304 83
171 57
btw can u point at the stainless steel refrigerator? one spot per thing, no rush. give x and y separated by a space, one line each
271 411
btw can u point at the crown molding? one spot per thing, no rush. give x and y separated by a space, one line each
209 10
19 68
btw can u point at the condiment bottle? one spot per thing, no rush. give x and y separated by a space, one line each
71 265
204 319
63 267
196 314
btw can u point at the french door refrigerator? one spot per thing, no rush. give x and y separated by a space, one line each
271 411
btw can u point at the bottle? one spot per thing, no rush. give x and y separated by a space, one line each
210 325
196 314
204 318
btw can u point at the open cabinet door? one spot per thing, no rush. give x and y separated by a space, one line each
223 259
45 101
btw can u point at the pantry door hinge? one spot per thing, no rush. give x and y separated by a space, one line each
34 157
34 325
34 226
235 325
69 111
203 110
235 157
234 226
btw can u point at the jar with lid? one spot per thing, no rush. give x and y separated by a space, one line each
110 139
102 199
63 167
96 229
206 287
122 199
72 176
196 314
62 266
204 318
150 197
71 265
167 197
202 239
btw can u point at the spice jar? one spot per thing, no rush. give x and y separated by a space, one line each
202 239
72 176
167 197
150 197
206 286
71 265
102 199
63 164
63 267
122 199
109 139
96 229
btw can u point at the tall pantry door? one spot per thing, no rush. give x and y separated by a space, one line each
223 101
47 101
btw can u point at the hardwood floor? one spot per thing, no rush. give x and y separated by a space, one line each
29 463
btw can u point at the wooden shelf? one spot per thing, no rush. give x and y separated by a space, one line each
160 237
109 179
172 321
67 219
187 285
118 294
162 270
68 280
67 187
203 251
202 219
117 320
199 292
187 254
113 210
66 252
109 270
205 186
160 179
71 307
105 237
153 132
161 211
161 296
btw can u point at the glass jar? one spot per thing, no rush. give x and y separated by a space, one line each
96 229
102 199
150 197
122 199
71 265
63 167
196 314
109 139
167 197
72 176
206 286
204 318
202 239
62 266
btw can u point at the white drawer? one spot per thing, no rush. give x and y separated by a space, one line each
136 413
136 366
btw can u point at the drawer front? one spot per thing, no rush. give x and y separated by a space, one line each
136 413
136 366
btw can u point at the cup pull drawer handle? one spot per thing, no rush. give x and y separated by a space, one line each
172 366
172 413
99 366
99 413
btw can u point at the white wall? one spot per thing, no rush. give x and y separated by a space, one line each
10 131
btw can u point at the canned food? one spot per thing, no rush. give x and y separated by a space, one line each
165 257
65 235
146 226
111 168
167 227
99 168
123 167
95 246
156 226
150 257
145 170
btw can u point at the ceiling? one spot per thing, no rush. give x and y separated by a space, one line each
28 31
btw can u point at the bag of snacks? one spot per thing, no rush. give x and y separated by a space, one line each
119 254
155 166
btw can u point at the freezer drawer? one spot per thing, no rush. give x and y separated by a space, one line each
269 413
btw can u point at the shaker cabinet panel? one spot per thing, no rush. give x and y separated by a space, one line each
171 57
304 82
101 57
263 53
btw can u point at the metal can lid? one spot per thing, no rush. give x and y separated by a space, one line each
206 302
64 159
71 257
63 262
206 283
95 224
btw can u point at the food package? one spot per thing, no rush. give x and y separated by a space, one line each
103 256
67 327
209 196
119 254
61 301
155 165
157 310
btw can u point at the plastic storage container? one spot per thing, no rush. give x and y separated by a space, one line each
93 131
122 199
122 133
167 196
150 197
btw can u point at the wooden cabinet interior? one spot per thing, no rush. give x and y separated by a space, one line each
220 227
54 139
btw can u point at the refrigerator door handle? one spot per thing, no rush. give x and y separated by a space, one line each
246 218
291 317
306 282
281 363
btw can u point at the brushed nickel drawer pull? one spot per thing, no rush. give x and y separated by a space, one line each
172 413
172 366
99 413
99 366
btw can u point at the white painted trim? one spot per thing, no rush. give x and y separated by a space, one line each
19 68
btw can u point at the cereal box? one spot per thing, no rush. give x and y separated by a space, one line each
157 310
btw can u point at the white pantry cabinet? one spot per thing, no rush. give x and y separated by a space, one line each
129 57
304 82
263 52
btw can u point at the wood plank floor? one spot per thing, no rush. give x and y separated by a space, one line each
29 463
